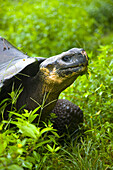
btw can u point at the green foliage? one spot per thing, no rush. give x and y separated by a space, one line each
102 13
45 28
24 145
94 94
30 146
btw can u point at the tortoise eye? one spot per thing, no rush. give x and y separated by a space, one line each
66 58
79 54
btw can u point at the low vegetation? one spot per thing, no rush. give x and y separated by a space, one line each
45 28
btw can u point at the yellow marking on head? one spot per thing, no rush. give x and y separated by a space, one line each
51 76
45 71
51 79
55 77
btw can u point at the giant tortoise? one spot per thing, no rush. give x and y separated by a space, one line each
43 79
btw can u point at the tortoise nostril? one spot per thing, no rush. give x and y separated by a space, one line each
84 54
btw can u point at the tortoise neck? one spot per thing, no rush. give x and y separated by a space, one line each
47 94
36 93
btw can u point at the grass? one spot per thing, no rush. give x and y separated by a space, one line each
28 146
60 26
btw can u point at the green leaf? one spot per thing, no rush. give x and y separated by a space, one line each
35 110
37 156
31 118
42 143
58 148
49 148
3 143
27 164
47 129
17 114
14 166
28 129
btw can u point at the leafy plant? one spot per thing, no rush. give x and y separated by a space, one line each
45 28
59 26
95 96
22 146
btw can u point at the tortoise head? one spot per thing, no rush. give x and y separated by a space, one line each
61 70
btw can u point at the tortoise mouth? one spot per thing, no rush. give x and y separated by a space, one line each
74 66
73 70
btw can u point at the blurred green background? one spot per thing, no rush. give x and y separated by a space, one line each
46 28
